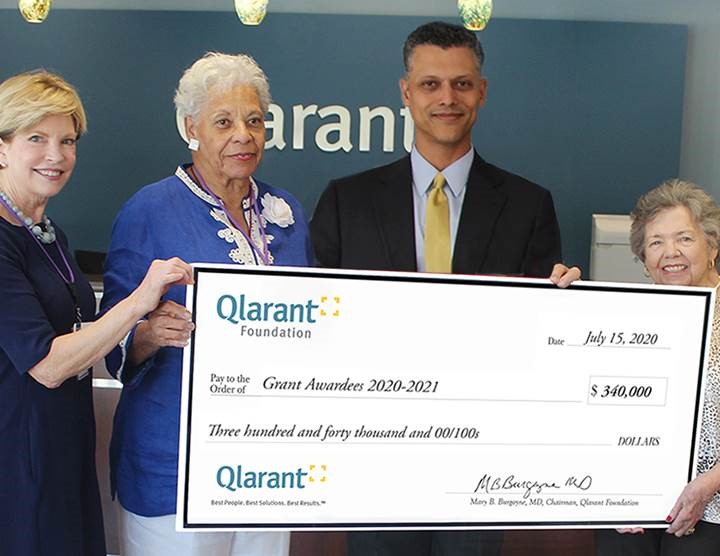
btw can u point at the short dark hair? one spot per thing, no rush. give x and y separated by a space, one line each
444 35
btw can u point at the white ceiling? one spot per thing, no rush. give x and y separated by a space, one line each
675 11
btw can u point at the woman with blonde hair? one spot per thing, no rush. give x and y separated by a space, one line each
49 500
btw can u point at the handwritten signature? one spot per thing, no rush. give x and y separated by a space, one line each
491 483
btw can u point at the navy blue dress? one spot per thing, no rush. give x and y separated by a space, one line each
49 499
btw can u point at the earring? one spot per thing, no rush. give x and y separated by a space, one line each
193 144
646 272
711 264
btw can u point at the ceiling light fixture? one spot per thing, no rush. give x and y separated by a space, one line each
475 13
251 12
34 11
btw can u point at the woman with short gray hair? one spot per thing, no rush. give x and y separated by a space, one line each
675 232
674 193
211 210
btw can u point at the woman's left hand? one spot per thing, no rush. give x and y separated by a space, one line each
562 276
690 505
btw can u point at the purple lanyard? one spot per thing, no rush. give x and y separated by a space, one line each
69 282
253 205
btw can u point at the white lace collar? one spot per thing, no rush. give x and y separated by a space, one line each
242 253
198 191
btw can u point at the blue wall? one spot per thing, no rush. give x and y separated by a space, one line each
592 111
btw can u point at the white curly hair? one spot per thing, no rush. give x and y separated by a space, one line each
219 72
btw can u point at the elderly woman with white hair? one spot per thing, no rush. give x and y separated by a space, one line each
211 210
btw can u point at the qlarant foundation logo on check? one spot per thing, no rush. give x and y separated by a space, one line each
239 477
237 309
283 319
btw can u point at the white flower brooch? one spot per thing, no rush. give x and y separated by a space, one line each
277 211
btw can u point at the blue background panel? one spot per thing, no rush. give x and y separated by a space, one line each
592 111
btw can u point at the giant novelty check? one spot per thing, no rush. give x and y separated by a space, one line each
343 400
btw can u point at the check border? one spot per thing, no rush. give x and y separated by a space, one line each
200 269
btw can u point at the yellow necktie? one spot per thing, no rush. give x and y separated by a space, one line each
437 229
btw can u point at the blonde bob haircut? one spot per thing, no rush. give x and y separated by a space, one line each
27 98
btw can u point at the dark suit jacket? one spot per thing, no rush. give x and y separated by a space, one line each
507 224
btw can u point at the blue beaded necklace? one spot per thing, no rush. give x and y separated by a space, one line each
44 232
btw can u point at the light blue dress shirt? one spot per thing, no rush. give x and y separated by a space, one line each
456 177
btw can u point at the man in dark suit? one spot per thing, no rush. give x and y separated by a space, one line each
441 209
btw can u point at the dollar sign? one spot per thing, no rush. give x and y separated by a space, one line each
594 390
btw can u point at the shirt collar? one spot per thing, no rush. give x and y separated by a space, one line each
184 176
456 175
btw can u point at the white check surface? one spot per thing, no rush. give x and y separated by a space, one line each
409 401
